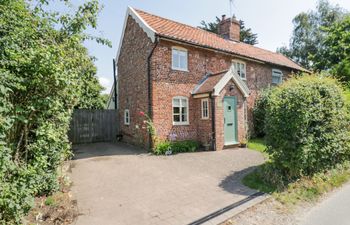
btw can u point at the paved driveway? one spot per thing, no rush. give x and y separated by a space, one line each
120 184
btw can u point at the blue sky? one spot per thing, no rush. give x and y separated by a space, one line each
270 19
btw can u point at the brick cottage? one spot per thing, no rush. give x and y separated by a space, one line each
194 85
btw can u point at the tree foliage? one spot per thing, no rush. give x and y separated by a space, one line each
246 35
309 33
307 126
43 65
335 53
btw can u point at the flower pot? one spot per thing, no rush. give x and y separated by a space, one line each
206 147
243 145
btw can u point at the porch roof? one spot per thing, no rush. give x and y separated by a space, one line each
214 83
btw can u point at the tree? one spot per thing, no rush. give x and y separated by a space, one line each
308 33
335 53
43 69
246 34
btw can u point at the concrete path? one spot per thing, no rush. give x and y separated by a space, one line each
120 184
335 210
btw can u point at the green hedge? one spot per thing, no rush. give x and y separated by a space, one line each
176 147
42 73
259 112
307 126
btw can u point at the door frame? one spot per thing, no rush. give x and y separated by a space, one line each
234 111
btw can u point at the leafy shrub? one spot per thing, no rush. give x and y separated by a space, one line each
44 69
307 126
184 146
161 147
176 147
259 112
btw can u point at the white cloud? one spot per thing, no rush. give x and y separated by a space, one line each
106 83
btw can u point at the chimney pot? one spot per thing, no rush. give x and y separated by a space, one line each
223 17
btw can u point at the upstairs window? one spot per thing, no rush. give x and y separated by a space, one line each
179 59
240 69
180 111
277 76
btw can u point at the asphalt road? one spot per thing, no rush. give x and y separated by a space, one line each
335 210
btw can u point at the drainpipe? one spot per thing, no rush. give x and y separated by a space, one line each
213 121
115 86
246 126
149 78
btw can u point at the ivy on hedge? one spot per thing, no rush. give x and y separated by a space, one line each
44 71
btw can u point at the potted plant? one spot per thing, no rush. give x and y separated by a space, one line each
243 143
206 146
209 142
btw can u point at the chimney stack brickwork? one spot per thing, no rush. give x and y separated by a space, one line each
229 28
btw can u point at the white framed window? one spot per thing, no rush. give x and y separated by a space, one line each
277 76
126 117
240 68
205 108
179 59
180 111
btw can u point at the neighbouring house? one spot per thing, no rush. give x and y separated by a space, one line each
193 84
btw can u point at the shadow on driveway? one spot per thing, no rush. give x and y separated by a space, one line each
93 150
233 183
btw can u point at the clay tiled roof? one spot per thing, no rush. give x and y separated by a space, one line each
181 32
208 83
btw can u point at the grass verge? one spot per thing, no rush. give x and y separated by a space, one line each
257 144
306 189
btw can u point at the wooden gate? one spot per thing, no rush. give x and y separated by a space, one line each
88 126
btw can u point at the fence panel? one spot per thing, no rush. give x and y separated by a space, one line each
88 126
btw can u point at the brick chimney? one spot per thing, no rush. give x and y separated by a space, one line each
229 28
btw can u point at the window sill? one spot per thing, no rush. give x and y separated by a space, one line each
180 124
179 69
205 118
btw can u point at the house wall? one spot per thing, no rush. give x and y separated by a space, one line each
168 83
133 82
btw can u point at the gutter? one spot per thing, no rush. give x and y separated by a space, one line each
149 78
213 121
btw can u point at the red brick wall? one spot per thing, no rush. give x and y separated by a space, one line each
168 83
132 78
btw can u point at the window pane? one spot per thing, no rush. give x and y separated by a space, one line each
183 62
176 118
176 110
184 117
176 102
175 59
276 79
184 110
183 102
243 74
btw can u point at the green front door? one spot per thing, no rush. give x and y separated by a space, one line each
230 120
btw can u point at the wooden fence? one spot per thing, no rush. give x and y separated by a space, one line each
88 126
